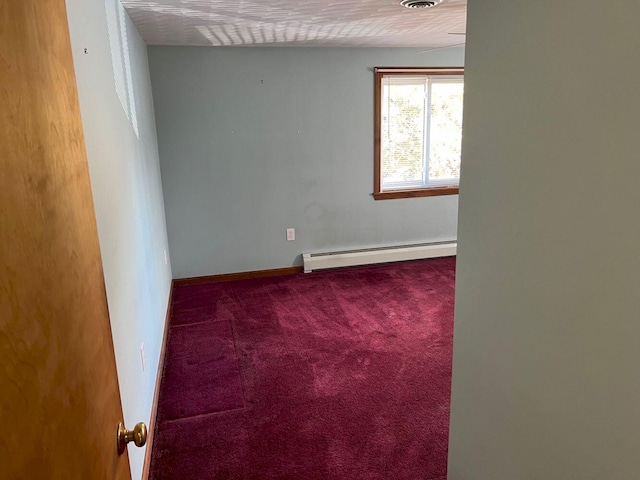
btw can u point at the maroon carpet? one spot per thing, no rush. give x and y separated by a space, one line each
333 375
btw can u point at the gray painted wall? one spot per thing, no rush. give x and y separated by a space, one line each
255 140
119 128
547 329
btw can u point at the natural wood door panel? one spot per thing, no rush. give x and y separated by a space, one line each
59 398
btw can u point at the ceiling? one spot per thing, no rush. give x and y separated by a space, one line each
329 23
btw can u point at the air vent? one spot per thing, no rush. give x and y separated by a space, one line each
419 3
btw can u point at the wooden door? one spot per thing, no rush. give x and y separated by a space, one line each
59 398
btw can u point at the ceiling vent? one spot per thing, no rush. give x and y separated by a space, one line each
419 3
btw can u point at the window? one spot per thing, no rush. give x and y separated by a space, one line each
418 131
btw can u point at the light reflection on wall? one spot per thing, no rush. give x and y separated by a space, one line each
121 61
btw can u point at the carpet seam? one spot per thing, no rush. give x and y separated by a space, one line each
210 414
191 324
235 351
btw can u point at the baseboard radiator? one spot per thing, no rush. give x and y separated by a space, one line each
369 256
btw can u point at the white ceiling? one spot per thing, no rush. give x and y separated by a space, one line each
335 23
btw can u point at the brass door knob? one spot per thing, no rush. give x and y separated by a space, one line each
138 435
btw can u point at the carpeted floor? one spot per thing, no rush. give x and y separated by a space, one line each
333 375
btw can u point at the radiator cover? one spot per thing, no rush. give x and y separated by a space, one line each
369 256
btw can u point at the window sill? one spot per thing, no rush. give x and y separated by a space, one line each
421 192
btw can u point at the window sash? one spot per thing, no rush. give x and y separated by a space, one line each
387 78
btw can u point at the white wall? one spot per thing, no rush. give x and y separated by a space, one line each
119 128
255 140
546 374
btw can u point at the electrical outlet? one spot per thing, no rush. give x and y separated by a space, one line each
143 357
291 234
166 259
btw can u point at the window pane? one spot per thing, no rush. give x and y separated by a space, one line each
445 132
402 130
